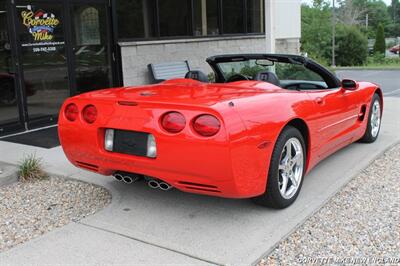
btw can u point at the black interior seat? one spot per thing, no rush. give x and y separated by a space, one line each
197 75
269 77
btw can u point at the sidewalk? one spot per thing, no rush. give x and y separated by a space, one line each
145 226
7 174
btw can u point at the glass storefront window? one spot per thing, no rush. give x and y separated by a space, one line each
90 43
136 18
43 55
56 53
8 97
212 17
232 16
255 16
87 26
206 17
149 19
174 16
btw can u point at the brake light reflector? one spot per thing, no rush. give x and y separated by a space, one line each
109 139
151 146
71 112
173 122
206 125
89 114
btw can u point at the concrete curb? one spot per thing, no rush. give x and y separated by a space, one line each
366 68
8 174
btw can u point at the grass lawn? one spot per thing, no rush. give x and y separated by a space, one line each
372 67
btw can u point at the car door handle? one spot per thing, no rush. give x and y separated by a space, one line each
319 100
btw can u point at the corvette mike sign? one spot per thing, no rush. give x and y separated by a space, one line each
41 25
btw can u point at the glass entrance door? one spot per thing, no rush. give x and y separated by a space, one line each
41 38
9 111
58 49
91 46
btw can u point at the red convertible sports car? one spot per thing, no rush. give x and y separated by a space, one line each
254 132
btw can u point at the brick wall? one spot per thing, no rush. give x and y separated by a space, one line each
137 55
287 46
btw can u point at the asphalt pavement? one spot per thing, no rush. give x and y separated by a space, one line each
146 226
388 80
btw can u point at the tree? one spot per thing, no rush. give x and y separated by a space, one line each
352 46
316 35
378 14
394 11
393 29
365 12
380 44
352 12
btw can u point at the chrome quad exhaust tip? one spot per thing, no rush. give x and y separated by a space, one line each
127 178
118 177
156 184
153 184
165 186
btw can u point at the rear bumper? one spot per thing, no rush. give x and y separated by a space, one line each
231 167
199 171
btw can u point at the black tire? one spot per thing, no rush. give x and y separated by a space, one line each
369 137
272 197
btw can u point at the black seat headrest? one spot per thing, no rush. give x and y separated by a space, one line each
269 77
197 75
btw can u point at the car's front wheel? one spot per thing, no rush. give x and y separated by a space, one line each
286 171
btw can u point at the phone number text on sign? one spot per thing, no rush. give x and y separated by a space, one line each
44 49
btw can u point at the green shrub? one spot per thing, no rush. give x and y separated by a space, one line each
211 77
381 60
376 59
351 46
380 45
251 71
30 168
295 72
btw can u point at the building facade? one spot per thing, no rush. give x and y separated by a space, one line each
50 50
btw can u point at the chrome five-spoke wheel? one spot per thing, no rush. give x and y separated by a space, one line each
291 168
286 170
375 119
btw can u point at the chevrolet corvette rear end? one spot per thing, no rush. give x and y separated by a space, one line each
165 134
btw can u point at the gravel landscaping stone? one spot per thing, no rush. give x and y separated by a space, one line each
359 225
30 209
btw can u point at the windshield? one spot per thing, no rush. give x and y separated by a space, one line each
284 71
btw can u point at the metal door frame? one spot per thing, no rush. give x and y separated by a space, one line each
18 124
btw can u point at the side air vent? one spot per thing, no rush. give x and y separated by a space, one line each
127 103
199 187
361 115
88 166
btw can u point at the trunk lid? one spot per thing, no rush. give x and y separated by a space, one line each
185 92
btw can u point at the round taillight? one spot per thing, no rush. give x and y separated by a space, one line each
71 112
89 114
173 122
206 125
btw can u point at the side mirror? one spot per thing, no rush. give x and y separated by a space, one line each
349 84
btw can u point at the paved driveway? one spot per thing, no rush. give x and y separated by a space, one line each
389 80
145 226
